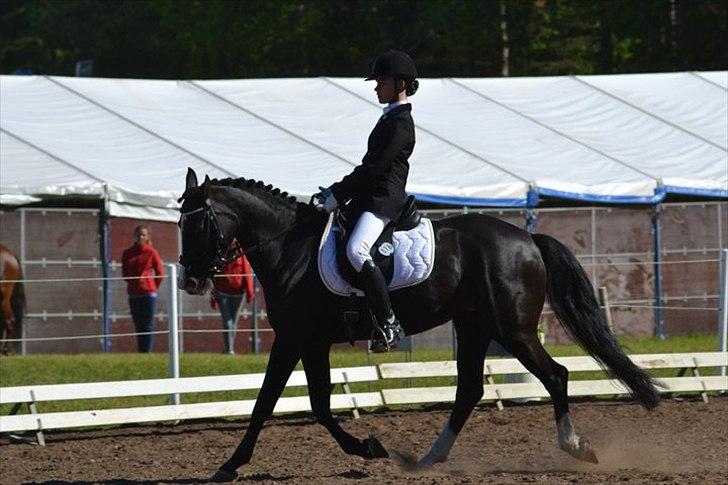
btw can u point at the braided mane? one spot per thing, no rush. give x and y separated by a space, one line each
259 186
243 183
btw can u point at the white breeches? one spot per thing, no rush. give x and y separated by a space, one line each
366 232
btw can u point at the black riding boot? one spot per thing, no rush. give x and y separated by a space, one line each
387 331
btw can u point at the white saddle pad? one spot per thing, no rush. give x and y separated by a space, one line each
414 257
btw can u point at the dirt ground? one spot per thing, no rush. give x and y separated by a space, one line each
682 442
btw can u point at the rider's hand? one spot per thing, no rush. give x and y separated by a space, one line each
330 203
323 194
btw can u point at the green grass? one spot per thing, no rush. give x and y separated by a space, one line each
650 345
59 368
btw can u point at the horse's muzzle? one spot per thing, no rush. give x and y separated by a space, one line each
193 285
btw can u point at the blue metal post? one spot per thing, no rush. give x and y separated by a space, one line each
659 321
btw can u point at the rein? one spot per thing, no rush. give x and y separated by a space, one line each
282 233
239 247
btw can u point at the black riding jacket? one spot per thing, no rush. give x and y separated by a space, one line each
377 185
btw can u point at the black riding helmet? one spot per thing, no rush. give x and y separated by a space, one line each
398 65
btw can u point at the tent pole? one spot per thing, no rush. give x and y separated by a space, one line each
659 321
105 268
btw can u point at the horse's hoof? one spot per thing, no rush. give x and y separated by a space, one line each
375 448
223 476
407 461
583 451
586 453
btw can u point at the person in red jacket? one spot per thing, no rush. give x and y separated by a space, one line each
142 263
234 283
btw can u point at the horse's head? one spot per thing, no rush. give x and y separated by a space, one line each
208 229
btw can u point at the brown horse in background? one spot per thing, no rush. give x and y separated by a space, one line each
12 298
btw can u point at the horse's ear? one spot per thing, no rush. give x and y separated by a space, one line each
206 186
191 178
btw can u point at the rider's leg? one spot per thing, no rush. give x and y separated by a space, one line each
365 234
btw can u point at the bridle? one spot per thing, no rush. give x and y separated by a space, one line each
221 253
224 254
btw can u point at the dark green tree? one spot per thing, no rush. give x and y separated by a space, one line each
291 38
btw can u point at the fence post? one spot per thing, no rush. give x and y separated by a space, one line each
723 319
659 319
104 232
604 302
23 334
256 330
172 325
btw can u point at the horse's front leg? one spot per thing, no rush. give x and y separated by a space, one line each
318 374
283 358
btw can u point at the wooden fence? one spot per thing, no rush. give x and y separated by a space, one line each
37 421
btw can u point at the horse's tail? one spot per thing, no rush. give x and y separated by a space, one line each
572 299
18 305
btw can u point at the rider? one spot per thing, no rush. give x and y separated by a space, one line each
376 188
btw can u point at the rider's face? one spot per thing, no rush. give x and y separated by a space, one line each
385 89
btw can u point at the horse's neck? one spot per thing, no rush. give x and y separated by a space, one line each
266 233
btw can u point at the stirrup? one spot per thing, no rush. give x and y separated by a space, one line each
386 338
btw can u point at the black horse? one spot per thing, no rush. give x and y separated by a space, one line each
490 278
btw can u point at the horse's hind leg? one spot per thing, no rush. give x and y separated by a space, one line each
472 345
554 376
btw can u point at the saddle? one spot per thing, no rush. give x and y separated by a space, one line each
382 251
404 251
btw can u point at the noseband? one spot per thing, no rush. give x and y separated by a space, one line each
223 254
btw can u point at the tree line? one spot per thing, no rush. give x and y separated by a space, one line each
183 39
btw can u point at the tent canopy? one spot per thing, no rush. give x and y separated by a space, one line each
483 142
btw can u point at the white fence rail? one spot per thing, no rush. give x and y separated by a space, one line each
36 421
97 390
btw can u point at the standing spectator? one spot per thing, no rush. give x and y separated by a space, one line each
234 284
142 262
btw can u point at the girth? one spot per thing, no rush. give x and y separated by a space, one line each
382 251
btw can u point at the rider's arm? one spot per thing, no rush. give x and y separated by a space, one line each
377 163
344 190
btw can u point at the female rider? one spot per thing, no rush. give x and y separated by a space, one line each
375 189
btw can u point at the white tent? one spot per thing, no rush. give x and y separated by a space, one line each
487 142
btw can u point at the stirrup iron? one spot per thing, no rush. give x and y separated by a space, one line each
386 337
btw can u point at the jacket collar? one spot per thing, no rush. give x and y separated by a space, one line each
396 104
